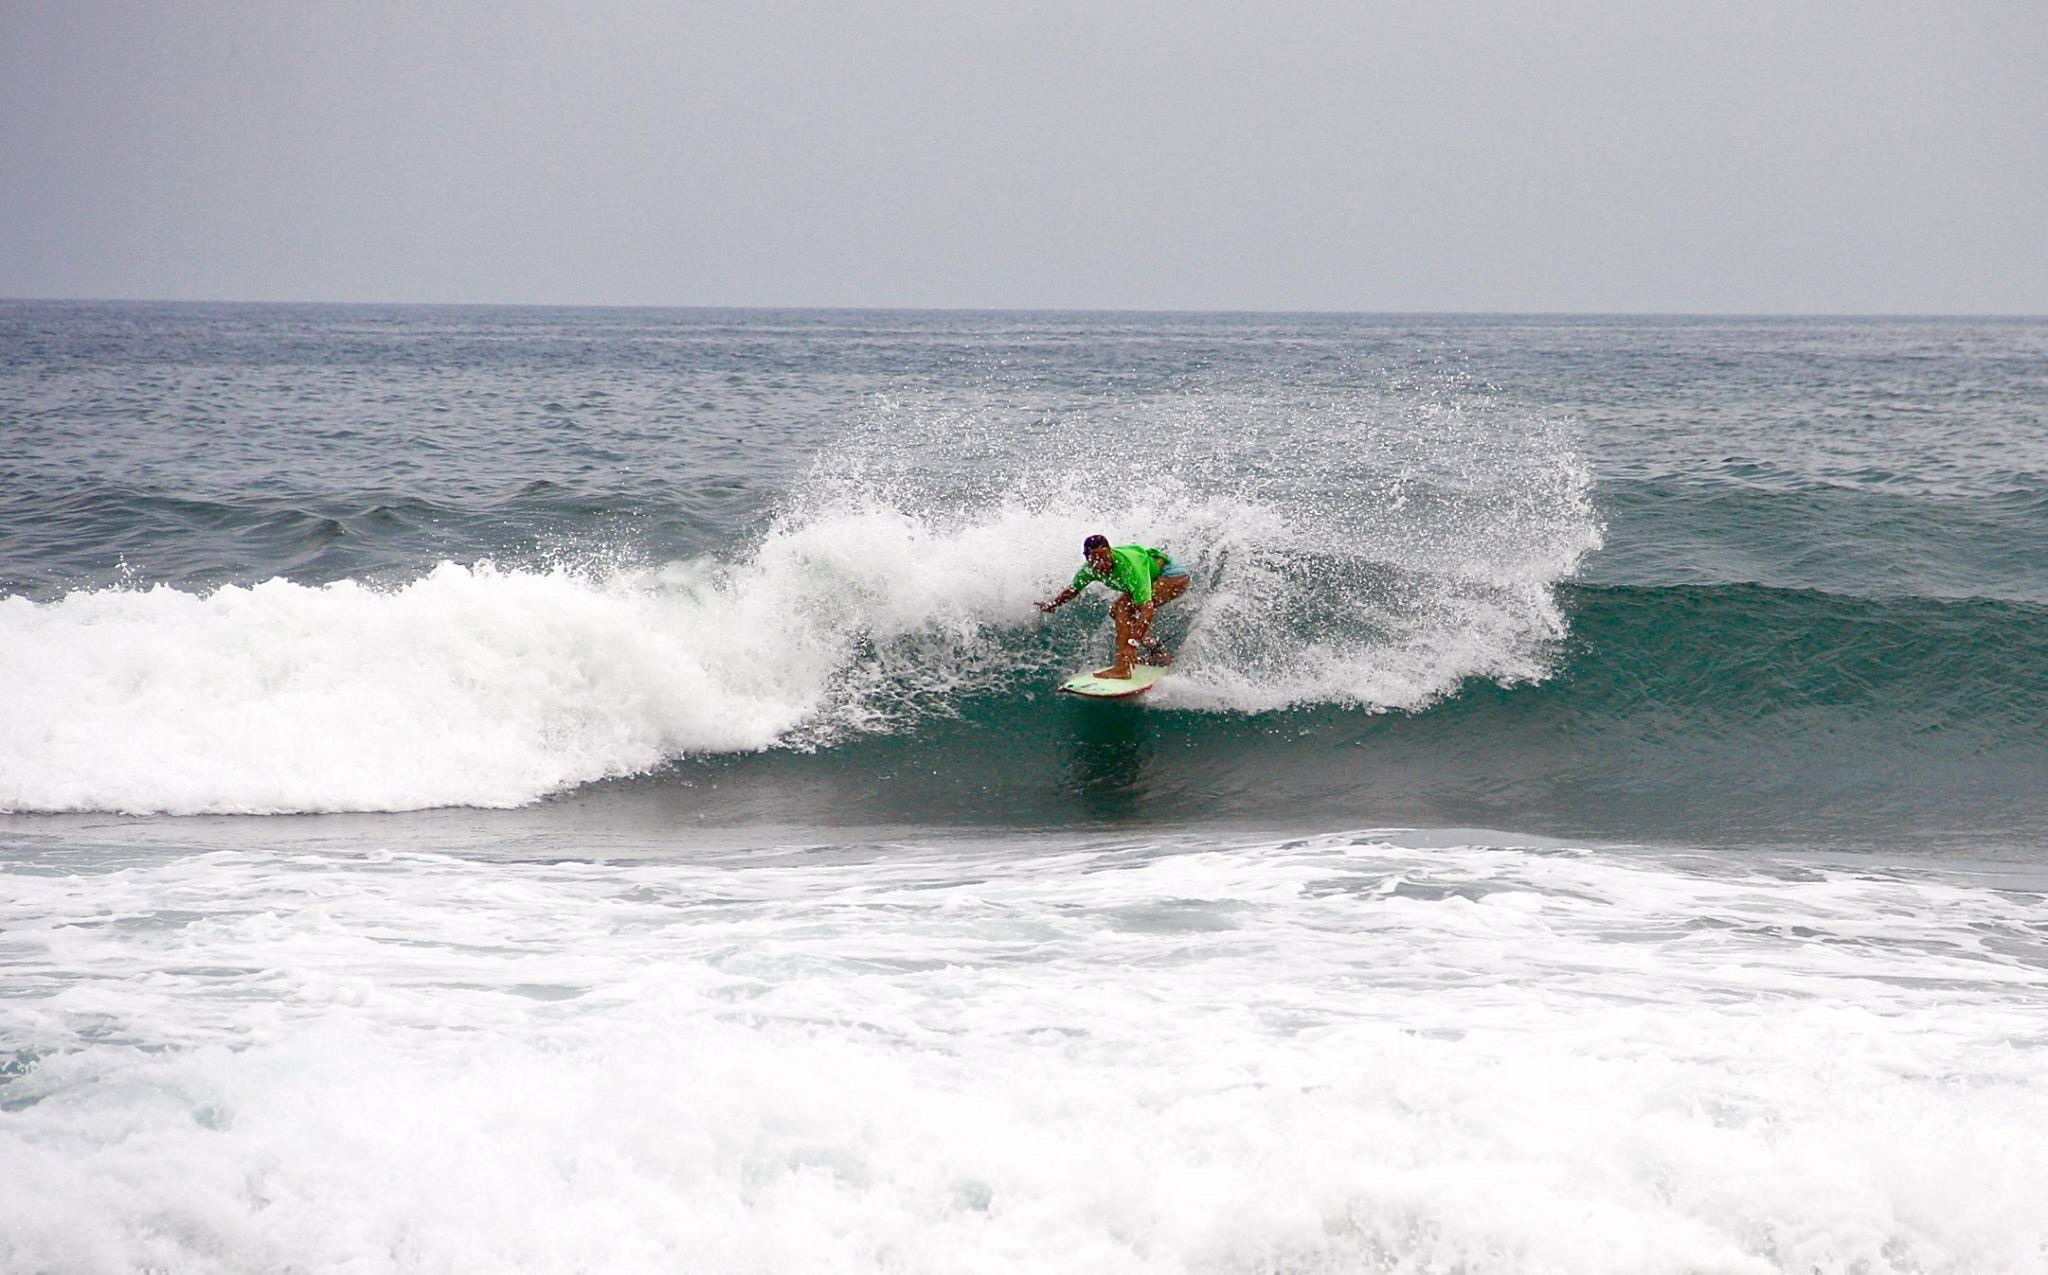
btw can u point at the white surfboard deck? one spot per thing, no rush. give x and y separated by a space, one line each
1143 678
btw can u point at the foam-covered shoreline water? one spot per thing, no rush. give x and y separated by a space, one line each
1174 1055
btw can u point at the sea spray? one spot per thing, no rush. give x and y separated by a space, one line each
1378 562
1373 548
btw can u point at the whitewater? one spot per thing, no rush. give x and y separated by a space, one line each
547 790
1373 1051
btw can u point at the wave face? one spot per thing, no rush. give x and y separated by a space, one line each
869 605
1640 579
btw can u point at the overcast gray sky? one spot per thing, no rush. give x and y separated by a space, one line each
1638 155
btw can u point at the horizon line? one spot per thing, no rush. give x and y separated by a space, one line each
757 307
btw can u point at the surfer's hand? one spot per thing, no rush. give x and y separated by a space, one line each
1048 607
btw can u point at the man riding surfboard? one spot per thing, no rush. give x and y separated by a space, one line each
1146 578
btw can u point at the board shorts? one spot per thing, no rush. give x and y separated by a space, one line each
1172 570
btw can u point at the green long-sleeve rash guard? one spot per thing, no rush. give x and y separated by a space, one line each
1136 567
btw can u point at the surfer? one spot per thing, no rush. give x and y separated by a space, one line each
1147 578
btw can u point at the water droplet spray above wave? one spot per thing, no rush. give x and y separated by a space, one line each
1372 550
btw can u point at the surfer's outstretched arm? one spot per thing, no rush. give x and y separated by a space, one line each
1064 596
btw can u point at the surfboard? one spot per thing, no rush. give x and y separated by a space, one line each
1143 678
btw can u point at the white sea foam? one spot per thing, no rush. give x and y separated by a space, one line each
489 687
1332 1054
470 685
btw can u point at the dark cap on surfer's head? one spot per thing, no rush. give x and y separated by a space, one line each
1092 543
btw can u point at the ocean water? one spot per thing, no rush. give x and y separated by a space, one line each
573 790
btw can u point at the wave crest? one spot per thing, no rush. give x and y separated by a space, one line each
1375 552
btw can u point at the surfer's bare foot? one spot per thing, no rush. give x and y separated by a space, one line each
1120 674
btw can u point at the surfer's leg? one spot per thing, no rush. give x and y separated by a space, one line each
1164 590
1126 617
